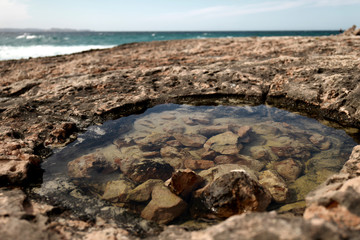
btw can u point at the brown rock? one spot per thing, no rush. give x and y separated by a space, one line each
153 142
208 155
117 191
164 206
191 140
288 169
217 171
275 185
85 166
13 171
198 164
184 182
232 193
142 193
150 169
212 130
170 152
225 159
224 143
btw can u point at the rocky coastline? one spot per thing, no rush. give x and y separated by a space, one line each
46 102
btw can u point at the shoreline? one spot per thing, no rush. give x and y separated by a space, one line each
46 101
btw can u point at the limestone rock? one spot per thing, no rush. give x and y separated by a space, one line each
336 202
164 206
191 140
288 169
85 166
150 169
142 193
224 143
232 193
117 191
184 182
153 142
275 185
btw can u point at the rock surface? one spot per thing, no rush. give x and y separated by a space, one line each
232 193
45 101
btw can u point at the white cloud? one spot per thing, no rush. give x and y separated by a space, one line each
12 12
271 6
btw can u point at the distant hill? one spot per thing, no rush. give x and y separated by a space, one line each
42 30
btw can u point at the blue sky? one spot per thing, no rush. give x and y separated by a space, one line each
167 15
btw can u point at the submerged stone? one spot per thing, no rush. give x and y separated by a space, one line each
117 191
142 193
275 185
288 169
224 143
184 182
150 169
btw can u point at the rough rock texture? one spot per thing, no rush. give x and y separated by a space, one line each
337 200
232 193
44 102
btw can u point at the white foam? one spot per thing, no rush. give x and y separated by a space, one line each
11 52
28 36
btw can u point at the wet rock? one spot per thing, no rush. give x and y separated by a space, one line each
225 159
250 162
196 164
170 152
153 142
288 169
191 140
275 185
164 206
85 166
117 191
150 169
129 156
217 171
210 131
142 193
184 182
174 143
175 130
224 143
232 193
320 141
208 155
262 153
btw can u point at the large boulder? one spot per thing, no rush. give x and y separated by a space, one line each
232 193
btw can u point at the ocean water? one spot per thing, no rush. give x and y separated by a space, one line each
17 45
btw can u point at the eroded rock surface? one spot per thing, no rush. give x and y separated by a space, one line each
45 101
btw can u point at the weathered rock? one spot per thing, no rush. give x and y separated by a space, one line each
85 166
352 166
117 191
142 193
13 171
232 193
336 203
275 185
170 152
288 169
184 182
253 226
191 140
320 141
208 155
150 169
164 206
224 143
213 173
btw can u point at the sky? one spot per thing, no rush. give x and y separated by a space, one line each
181 15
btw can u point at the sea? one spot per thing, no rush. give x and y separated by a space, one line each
23 44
